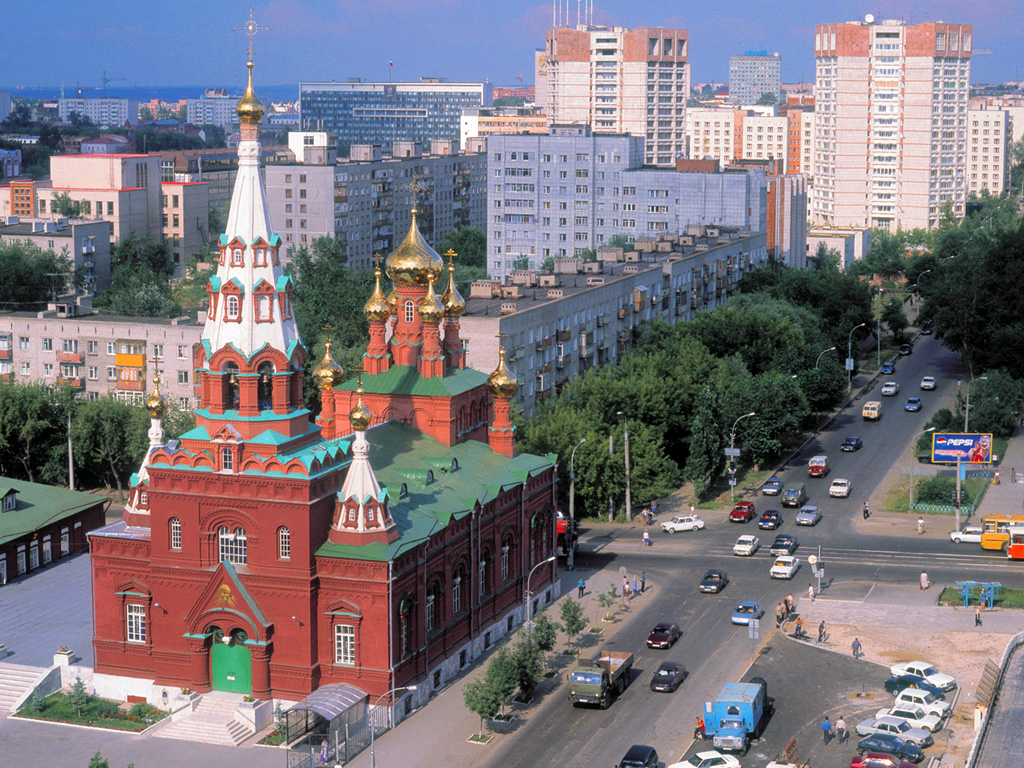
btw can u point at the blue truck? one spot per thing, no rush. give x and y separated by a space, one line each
738 715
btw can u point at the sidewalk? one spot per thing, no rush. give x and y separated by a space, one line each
1007 497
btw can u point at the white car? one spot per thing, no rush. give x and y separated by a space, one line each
969 535
923 700
745 546
784 567
710 759
923 669
682 523
928 383
890 389
895 726
840 488
914 715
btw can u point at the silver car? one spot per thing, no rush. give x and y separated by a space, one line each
895 726
808 515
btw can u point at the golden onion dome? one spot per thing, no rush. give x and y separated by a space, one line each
431 308
155 403
454 304
249 109
412 261
501 381
328 373
393 301
377 307
360 415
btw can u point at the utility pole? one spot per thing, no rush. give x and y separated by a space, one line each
849 358
734 454
625 440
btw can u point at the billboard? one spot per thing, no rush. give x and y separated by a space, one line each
968 447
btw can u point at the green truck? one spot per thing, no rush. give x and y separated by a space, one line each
597 680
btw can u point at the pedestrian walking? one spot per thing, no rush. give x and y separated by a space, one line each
821 631
625 588
984 598
645 515
799 627
654 510
581 587
826 730
646 538
977 615
925 581
643 581
698 731
790 603
855 646
867 509
841 729
810 592
780 615
995 479
1013 476
636 586
693 509
920 525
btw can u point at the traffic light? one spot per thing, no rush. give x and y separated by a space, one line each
732 465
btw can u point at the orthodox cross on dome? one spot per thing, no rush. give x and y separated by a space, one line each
327 328
377 258
251 28
418 189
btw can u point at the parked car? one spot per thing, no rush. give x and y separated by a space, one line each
890 389
879 760
913 404
639 756
772 486
709 759
746 611
969 535
888 369
928 383
817 466
926 701
906 349
743 512
898 683
914 715
770 520
784 567
784 544
808 515
746 546
926 331
924 458
925 670
851 444
892 745
668 676
895 726
840 488
714 581
682 523
664 635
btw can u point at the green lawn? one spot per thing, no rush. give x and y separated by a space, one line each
1008 598
97 712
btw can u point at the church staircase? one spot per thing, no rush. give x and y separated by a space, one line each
211 722
15 681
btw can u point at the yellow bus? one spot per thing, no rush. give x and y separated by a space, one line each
995 530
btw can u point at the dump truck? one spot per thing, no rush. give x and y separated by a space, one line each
597 680
738 715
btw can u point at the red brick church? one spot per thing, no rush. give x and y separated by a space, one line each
383 544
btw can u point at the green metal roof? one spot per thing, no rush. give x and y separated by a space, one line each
401 454
40 505
406 380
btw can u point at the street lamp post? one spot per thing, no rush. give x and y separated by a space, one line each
967 421
849 357
732 453
625 440
526 591
930 429
967 404
830 349
373 756
572 480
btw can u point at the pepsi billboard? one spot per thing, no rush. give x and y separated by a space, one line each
967 447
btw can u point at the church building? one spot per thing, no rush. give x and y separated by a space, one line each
385 543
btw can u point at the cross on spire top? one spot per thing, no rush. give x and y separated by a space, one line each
251 28
417 187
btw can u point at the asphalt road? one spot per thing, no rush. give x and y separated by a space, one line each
713 650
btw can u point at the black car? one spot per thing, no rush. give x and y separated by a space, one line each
784 544
668 676
907 349
924 458
663 635
770 520
714 581
851 444
896 684
772 486
891 745
639 756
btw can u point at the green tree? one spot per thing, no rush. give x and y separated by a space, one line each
470 243
137 291
825 258
544 632
109 438
33 441
78 696
619 241
509 101
98 761
145 115
529 662
894 318
502 674
706 454
573 621
63 205
521 262
482 700
995 401
142 252
767 99
30 276
781 407
607 599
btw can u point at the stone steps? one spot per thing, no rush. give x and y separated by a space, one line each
15 680
212 722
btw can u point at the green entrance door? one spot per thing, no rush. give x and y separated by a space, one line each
231 667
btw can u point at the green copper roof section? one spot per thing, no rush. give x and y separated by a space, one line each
215 283
406 380
199 433
283 281
39 505
401 454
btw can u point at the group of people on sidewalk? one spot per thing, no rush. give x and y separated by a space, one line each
839 731
649 513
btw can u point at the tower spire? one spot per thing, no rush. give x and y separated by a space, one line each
503 386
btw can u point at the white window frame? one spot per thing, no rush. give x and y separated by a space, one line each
135 623
47 550
456 594
232 307
232 546
429 613
284 543
410 312
345 645
504 562
227 459
175 533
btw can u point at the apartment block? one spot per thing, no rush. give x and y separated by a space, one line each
850 244
105 110
754 74
18 197
359 112
100 354
10 163
890 122
489 121
217 168
619 81
5 104
560 195
728 135
582 315
185 219
86 243
989 150
787 219
212 109
365 199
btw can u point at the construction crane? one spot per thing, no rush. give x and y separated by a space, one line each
105 80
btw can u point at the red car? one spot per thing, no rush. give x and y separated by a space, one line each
743 512
879 760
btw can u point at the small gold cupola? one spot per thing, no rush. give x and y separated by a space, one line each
328 373
155 403
501 382
377 307
431 308
360 416
249 108
454 304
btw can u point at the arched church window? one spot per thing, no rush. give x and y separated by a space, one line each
264 308
232 545
227 459
265 387
410 312
175 533
284 543
236 257
232 308
261 257
229 382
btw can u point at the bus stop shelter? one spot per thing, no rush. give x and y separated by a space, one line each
329 726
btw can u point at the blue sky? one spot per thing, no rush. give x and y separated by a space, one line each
179 42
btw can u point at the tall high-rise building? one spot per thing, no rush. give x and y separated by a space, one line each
383 113
989 148
754 74
106 110
620 80
890 122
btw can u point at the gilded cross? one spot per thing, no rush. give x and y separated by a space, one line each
416 187
377 259
156 359
251 28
